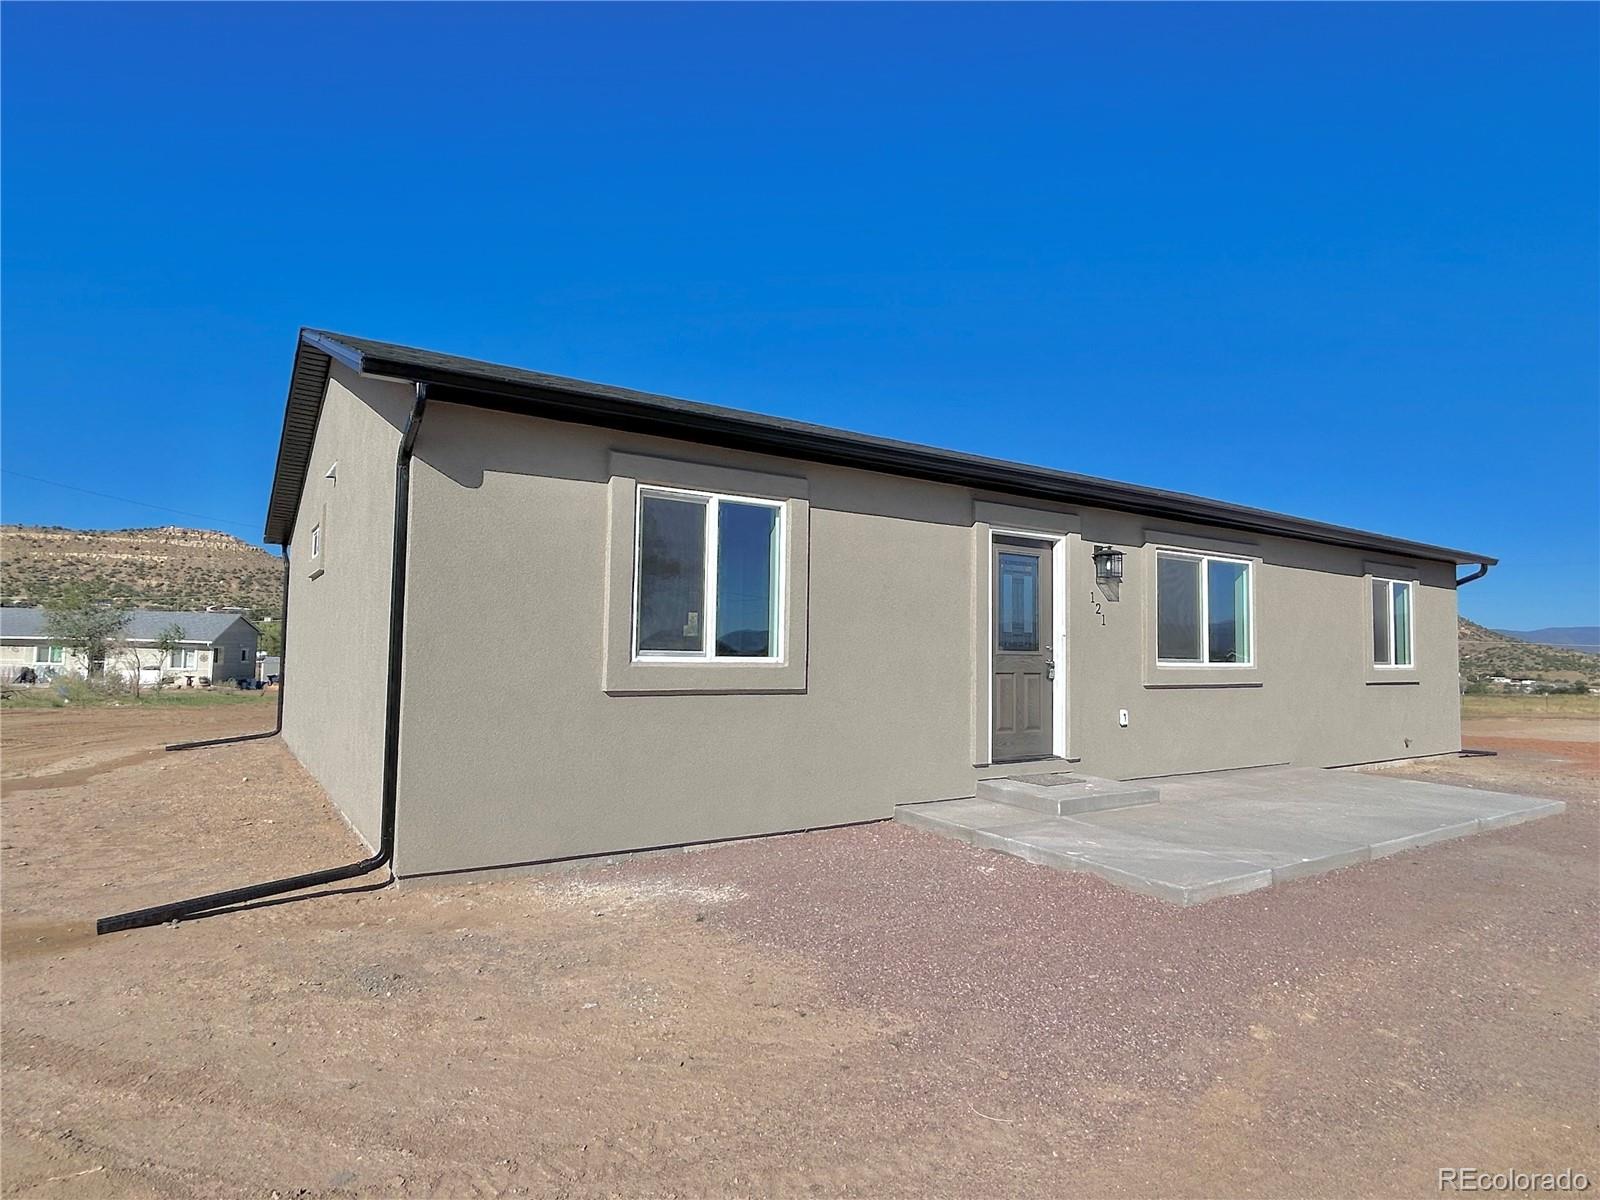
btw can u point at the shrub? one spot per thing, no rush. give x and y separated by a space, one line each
76 689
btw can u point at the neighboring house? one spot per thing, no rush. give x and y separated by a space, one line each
267 668
216 646
631 621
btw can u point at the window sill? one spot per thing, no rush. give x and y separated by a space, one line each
1391 675
1202 677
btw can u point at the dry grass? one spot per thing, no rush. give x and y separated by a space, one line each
1530 706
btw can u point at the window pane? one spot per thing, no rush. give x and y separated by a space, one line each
1177 609
1380 622
672 574
1019 602
1228 601
747 580
1402 624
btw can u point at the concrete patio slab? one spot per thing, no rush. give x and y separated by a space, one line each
963 820
1163 869
1229 832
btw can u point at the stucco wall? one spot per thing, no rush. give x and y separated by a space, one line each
1312 705
337 636
531 759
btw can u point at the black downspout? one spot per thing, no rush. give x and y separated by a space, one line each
199 905
1483 569
283 657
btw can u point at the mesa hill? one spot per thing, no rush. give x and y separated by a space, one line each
167 567
1486 653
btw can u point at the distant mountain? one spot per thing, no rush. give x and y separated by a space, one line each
1486 653
1574 637
169 567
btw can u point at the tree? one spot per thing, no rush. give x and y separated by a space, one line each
271 635
132 659
167 642
76 619
136 658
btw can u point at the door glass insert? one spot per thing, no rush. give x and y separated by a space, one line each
1019 603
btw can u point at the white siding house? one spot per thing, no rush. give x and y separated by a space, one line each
214 647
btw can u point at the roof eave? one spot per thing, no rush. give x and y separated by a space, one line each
596 404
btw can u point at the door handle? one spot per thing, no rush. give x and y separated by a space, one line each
1050 670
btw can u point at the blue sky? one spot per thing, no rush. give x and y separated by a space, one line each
1335 260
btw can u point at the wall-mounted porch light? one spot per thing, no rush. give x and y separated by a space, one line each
1108 564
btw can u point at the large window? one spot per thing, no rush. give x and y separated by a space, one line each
1202 610
48 654
185 658
707 576
1391 623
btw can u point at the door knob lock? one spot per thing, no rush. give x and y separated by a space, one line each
1050 670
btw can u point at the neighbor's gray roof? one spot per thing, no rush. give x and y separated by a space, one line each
510 389
146 625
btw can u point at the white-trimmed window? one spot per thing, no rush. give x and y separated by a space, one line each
1393 603
708 576
1204 610
49 654
185 658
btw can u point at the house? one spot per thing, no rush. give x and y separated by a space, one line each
214 646
581 620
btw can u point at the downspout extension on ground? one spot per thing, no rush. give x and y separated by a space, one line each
196 906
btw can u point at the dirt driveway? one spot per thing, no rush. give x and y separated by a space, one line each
864 1012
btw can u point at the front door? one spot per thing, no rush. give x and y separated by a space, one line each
1023 649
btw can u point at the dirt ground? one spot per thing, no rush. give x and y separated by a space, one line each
861 1012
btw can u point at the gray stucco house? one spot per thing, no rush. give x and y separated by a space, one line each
215 646
712 624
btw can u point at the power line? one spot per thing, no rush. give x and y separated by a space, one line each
71 487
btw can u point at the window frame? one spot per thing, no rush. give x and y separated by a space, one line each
1411 629
50 655
1205 558
711 501
180 656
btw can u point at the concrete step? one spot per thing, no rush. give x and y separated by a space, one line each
1065 793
